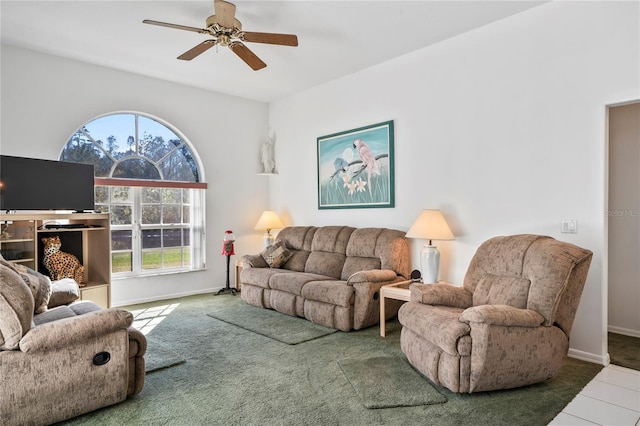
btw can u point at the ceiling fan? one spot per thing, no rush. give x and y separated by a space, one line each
226 30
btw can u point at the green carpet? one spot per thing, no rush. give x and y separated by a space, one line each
386 382
624 350
160 355
271 324
234 377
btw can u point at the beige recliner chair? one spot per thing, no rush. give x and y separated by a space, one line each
60 359
507 326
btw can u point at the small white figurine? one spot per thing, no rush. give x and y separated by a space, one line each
266 154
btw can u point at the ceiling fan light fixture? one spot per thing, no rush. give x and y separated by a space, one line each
213 24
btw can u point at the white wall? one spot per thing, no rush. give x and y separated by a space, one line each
46 98
502 128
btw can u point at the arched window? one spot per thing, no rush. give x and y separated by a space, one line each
149 179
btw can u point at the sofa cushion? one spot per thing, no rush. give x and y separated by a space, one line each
324 263
333 292
40 286
293 282
260 277
502 290
276 254
16 307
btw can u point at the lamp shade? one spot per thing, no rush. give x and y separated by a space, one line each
268 220
430 225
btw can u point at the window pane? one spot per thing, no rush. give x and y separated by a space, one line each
101 194
170 195
186 233
121 262
120 215
156 140
171 214
173 258
152 259
180 166
186 257
186 196
121 240
151 214
151 238
171 238
185 214
136 168
82 149
102 208
121 194
151 195
114 133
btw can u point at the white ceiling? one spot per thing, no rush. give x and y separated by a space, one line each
336 38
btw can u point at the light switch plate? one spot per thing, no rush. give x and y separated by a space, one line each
569 226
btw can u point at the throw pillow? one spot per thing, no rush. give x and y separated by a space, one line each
40 286
276 254
63 292
502 290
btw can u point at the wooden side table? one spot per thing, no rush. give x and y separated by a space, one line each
397 291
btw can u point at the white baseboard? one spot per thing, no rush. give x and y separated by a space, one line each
589 357
624 331
166 297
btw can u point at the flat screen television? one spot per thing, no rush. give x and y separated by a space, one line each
35 184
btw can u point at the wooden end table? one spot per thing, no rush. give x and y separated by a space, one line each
397 291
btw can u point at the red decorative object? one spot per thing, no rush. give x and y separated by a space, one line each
227 243
228 250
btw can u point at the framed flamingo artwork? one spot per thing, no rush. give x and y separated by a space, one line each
355 168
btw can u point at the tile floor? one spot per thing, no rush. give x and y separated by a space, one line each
611 398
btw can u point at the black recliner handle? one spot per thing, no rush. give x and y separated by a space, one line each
101 358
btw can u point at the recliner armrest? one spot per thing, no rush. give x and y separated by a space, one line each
70 331
373 276
504 315
441 294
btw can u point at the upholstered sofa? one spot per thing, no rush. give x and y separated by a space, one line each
60 358
508 325
330 275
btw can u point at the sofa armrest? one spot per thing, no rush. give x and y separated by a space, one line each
70 331
504 315
441 294
373 275
254 261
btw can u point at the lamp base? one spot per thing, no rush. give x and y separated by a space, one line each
267 240
430 264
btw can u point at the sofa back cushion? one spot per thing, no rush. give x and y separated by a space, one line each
328 250
298 240
16 307
502 290
377 248
555 272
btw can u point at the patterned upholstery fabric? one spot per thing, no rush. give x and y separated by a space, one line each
508 325
333 277
46 359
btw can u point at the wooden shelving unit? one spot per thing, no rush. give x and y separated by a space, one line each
21 242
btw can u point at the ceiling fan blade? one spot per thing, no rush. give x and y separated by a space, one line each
271 38
176 26
247 55
225 13
201 48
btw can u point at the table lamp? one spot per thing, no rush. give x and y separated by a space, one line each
268 220
430 225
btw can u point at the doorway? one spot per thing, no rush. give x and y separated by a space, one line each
624 234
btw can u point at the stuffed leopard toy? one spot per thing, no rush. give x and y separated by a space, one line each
60 264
